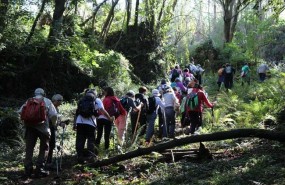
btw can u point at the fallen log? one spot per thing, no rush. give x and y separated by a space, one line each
238 133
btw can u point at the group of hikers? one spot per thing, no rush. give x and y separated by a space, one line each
96 116
226 74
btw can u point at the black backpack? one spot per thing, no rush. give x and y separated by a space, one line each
86 107
151 105
175 74
125 103
140 98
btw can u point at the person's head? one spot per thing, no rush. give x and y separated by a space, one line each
131 94
186 70
227 64
155 92
57 99
39 92
176 67
168 89
163 81
223 66
91 92
142 90
192 83
108 91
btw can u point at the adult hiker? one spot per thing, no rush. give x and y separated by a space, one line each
194 106
56 101
171 102
198 73
153 103
179 85
128 102
221 76
140 97
175 73
261 70
85 124
114 107
161 116
245 74
36 113
228 73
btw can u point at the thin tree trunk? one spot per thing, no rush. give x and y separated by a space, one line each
93 14
3 11
239 133
108 21
36 21
129 13
136 14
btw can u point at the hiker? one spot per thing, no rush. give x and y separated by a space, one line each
121 122
37 127
198 73
85 124
175 73
228 73
140 97
154 102
245 74
221 76
177 94
261 70
56 101
171 102
179 85
114 107
194 108
161 116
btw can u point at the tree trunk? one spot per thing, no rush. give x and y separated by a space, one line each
137 14
56 27
3 11
108 21
238 133
93 16
36 21
129 13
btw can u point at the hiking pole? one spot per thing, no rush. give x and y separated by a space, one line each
213 118
136 127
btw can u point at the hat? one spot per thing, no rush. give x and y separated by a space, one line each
163 81
91 92
57 97
39 92
177 79
130 93
155 92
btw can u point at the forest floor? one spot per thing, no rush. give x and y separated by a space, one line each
240 161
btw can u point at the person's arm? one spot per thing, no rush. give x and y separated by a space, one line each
102 109
205 100
159 102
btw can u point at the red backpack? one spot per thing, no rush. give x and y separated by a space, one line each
34 112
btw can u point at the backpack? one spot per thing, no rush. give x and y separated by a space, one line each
228 69
125 103
141 98
192 101
86 107
113 110
151 105
175 74
34 112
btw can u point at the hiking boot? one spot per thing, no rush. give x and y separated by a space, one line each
28 172
40 172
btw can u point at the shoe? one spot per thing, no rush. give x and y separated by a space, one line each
41 173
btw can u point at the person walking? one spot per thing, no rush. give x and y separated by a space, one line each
37 112
114 108
85 124
221 76
245 74
228 73
261 70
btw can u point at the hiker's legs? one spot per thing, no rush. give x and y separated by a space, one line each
194 117
51 144
134 116
44 149
90 134
121 123
80 140
150 126
31 139
143 122
170 120
161 124
262 77
100 127
226 82
107 131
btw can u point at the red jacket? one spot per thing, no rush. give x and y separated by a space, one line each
201 99
108 100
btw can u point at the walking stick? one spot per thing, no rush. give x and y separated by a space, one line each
213 118
136 127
